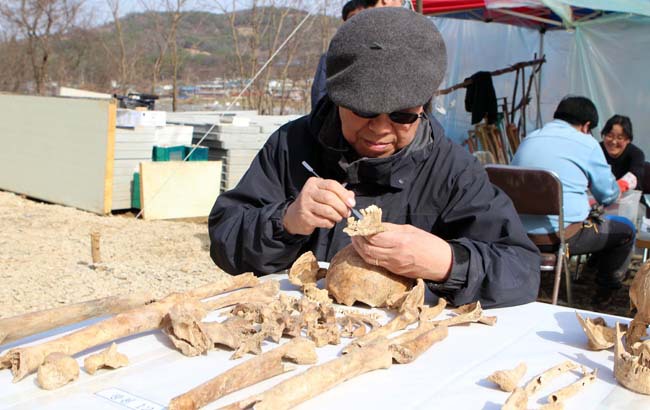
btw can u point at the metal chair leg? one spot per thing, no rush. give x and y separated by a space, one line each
558 272
567 281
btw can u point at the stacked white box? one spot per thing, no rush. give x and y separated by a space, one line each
230 140
133 145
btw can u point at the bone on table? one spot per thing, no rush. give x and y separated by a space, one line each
25 360
17 327
252 371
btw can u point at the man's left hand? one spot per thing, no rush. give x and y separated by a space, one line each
407 251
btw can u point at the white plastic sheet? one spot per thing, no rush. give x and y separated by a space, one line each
604 59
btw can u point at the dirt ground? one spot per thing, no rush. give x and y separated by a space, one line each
45 258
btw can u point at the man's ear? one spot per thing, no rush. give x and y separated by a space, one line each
586 127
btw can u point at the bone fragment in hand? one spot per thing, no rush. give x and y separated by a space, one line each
320 378
632 368
573 389
57 370
25 360
108 357
185 330
17 327
370 224
599 336
518 400
252 371
542 379
262 293
508 380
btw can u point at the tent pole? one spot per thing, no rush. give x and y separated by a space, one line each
538 120
418 6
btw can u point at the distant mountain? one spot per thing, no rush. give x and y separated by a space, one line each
90 57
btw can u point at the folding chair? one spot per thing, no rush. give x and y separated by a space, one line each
536 191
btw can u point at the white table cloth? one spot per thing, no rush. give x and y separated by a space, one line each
450 375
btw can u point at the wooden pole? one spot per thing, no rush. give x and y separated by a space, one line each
512 68
94 247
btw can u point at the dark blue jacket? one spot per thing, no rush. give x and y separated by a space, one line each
432 184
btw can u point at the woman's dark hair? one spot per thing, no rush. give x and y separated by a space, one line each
621 120
577 111
350 6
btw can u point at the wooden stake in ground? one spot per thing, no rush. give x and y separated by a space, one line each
24 361
94 247
17 327
255 370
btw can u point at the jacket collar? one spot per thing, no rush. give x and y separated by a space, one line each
343 163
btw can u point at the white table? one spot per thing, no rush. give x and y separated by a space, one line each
451 375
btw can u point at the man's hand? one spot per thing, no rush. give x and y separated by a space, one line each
407 251
321 204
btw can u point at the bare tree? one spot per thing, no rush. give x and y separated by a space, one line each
37 23
120 58
12 63
257 34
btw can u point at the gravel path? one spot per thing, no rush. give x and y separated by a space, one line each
45 258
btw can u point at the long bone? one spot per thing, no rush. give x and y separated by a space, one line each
263 293
17 327
252 371
320 378
24 361
377 354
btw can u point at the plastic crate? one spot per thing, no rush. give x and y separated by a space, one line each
135 191
199 154
160 153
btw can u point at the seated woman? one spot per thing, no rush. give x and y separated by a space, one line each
626 159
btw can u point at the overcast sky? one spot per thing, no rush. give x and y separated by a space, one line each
102 11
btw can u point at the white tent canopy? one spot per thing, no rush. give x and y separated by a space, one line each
603 59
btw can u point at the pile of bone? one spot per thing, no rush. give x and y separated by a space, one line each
631 345
508 381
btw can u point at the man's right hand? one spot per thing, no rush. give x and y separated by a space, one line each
321 204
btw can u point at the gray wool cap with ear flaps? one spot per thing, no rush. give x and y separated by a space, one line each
384 60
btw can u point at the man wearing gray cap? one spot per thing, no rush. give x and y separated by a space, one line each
370 143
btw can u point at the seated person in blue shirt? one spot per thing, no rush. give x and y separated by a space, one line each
566 147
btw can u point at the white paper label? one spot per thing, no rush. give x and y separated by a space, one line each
128 400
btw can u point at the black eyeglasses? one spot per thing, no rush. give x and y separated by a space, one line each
399 117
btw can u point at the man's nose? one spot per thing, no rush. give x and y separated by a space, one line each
380 124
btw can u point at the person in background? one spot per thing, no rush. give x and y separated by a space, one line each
318 89
371 143
566 147
626 159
